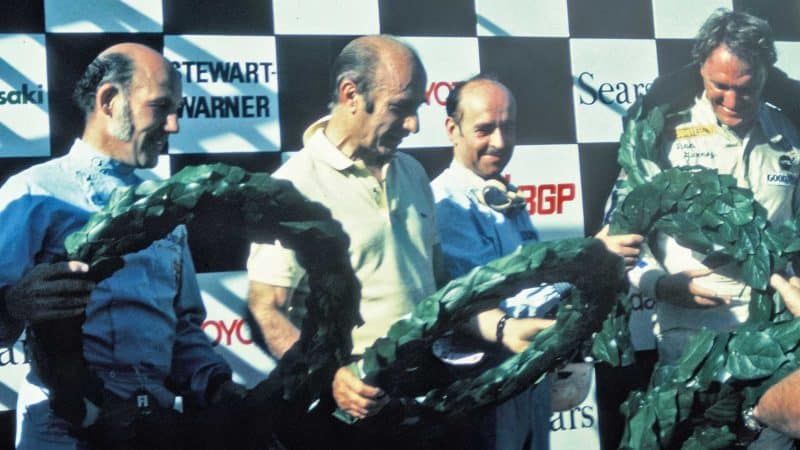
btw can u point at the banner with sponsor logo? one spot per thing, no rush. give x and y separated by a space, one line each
550 179
24 111
230 93
446 61
606 84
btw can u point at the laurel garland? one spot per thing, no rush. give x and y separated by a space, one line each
696 401
263 209
433 390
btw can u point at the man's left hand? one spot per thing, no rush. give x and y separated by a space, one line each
624 245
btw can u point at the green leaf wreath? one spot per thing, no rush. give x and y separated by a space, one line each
696 401
265 209
431 389
229 199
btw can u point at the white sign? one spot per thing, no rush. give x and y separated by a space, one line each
446 61
110 16
24 120
230 93
224 296
522 18
789 58
550 177
348 17
577 427
606 83
681 19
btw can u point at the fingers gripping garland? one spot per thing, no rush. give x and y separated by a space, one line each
696 401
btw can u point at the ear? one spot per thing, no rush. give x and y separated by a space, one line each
453 131
104 99
348 94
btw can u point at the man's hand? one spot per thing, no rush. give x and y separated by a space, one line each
680 289
50 291
356 397
518 333
624 245
789 290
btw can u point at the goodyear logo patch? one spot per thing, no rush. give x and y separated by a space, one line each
695 131
781 179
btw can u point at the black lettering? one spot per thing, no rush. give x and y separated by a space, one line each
219 71
188 65
217 107
605 88
588 417
557 422
8 357
236 74
622 95
586 89
251 72
262 106
223 107
266 66
202 70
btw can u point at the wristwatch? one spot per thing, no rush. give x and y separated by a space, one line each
750 420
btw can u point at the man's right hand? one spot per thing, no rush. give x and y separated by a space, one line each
680 289
50 291
356 397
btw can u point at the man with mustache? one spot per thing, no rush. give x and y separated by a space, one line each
480 218
141 338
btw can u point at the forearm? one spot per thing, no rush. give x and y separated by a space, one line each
266 304
779 407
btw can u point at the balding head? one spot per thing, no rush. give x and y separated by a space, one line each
116 65
481 124
361 59
130 95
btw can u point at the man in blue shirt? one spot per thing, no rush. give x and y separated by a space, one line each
142 336
480 218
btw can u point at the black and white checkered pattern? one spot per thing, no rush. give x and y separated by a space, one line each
574 66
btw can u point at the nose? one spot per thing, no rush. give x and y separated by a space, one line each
411 123
171 124
730 99
498 138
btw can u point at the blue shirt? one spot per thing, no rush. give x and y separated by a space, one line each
472 233
143 324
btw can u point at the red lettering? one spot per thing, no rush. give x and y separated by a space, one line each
214 337
566 193
228 331
435 89
237 329
546 199
243 339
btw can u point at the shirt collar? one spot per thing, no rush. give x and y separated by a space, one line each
763 119
468 177
315 139
86 155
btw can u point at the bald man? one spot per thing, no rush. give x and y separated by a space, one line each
141 337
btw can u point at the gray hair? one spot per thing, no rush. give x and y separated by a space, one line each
358 62
747 36
114 68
